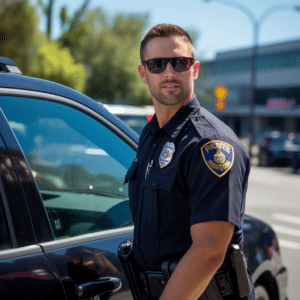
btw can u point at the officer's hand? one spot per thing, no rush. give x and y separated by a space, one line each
143 297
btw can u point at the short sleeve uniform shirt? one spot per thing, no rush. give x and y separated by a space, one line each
192 170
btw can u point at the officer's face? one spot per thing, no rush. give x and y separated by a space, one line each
169 87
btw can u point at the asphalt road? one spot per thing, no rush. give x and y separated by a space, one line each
274 196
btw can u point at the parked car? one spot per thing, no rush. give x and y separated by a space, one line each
276 148
136 117
63 204
296 154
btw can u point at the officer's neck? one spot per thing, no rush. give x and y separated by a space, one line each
164 113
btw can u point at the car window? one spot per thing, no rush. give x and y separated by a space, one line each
78 163
137 123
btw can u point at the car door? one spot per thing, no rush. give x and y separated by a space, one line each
25 270
77 161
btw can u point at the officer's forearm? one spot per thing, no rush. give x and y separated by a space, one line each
193 273
201 261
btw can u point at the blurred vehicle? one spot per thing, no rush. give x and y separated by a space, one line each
276 148
296 154
64 207
136 117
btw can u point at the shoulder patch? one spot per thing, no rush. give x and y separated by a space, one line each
218 156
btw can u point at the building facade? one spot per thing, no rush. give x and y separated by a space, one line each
277 93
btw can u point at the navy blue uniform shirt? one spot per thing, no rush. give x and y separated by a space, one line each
192 170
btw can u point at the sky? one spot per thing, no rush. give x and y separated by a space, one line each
221 27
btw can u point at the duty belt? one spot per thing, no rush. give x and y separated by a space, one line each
230 281
154 284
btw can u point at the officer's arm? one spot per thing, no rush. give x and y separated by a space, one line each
200 262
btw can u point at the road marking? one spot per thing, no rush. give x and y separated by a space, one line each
286 218
288 244
286 230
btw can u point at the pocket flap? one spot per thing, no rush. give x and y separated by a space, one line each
164 181
131 171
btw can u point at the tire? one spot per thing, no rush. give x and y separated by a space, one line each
261 292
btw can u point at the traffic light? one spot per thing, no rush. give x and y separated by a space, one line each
221 92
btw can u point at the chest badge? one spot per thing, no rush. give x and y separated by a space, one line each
218 157
166 154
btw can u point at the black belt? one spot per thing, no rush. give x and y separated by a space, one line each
153 283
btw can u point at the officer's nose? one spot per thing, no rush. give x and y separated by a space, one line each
169 72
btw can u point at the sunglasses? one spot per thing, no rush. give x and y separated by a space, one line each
179 64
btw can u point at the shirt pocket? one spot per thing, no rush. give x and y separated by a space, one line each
164 190
131 178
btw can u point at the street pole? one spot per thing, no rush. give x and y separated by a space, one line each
256 23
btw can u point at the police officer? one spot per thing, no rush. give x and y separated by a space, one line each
187 185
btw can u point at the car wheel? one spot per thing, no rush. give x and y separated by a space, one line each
261 292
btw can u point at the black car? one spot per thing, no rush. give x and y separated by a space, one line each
276 148
63 204
296 154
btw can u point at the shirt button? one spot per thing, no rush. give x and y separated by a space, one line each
154 145
153 183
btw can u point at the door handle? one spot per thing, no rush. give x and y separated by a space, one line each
105 285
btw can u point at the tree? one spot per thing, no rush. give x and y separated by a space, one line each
56 63
48 12
66 20
110 50
20 42
32 51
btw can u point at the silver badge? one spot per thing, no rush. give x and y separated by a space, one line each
166 154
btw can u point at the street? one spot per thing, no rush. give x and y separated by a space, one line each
274 197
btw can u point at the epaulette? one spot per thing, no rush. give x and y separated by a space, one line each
203 127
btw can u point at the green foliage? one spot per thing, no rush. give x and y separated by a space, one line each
57 64
20 43
74 27
110 49
32 51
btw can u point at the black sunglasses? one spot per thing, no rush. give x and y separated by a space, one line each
179 64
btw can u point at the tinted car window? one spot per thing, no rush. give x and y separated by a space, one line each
79 165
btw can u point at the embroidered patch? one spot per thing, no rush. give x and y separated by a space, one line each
166 154
218 157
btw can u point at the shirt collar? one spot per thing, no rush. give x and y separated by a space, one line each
177 122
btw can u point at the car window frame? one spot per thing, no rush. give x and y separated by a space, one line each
8 218
21 232
38 198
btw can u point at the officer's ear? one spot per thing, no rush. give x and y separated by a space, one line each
196 67
142 72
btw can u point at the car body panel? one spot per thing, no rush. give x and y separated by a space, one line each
85 259
263 256
27 273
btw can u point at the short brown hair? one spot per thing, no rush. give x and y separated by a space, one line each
164 30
